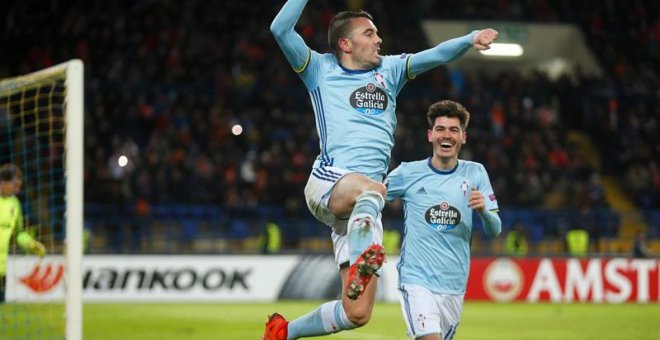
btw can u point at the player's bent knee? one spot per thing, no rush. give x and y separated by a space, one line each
359 322
359 316
377 187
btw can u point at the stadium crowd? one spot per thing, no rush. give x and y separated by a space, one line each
166 81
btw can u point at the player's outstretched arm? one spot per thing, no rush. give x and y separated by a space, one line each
283 28
450 50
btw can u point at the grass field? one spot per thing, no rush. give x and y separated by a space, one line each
246 321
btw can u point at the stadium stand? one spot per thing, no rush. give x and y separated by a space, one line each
167 80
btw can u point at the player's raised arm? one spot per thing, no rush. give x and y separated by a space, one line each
449 50
291 43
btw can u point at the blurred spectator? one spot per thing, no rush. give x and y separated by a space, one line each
639 249
87 239
391 240
270 238
515 242
577 242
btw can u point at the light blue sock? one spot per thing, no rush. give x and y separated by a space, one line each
360 235
326 319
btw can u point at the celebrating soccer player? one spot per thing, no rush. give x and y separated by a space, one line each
353 92
439 194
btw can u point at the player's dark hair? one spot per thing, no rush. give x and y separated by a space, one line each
9 172
340 25
448 108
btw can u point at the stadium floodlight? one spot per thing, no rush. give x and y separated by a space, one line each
503 50
41 132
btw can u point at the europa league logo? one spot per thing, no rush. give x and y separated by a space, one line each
503 280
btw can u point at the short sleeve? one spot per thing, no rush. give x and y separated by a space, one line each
395 184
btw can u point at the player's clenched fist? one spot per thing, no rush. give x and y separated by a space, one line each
484 38
476 201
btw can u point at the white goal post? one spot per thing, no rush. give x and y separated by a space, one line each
30 88
74 191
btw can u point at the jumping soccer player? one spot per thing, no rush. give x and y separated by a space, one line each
439 195
353 92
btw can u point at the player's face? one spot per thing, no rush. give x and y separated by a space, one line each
11 187
447 137
364 43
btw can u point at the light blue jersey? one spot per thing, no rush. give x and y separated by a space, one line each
355 109
438 222
355 112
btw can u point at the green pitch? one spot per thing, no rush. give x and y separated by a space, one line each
246 321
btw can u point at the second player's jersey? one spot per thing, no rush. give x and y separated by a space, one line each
11 221
355 111
438 222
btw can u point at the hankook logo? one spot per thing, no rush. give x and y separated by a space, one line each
370 100
178 279
443 217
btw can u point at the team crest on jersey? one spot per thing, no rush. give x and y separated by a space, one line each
443 217
464 187
370 100
380 79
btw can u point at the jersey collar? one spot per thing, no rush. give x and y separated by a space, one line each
347 70
442 172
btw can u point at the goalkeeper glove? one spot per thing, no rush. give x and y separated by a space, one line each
37 248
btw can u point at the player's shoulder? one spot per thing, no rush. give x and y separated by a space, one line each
466 166
323 61
470 164
394 57
413 166
329 57
16 200
391 60
12 200
325 58
420 164
319 65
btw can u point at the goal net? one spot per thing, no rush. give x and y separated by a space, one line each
41 132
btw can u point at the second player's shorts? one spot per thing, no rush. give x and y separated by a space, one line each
317 195
428 313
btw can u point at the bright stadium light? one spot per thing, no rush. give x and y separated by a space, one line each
237 129
122 161
503 50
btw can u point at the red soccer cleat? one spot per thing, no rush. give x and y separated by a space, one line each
276 327
361 272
